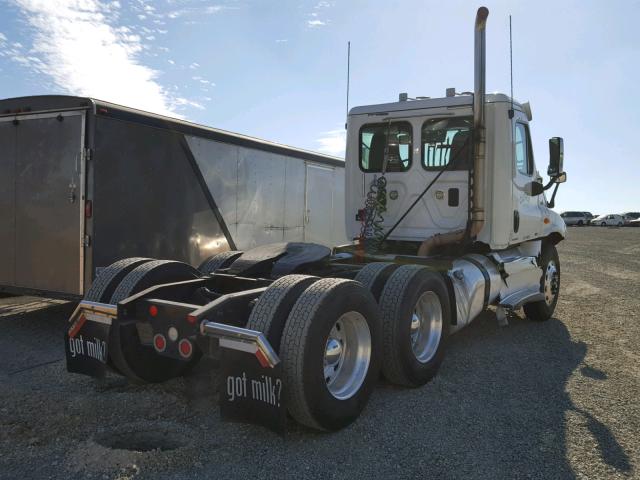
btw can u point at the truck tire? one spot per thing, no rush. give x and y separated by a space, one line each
374 276
108 279
272 309
219 260
136 360
106 282
549 285
330 353
416 315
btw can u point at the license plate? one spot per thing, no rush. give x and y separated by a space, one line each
86 345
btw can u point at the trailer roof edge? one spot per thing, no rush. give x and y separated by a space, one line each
37 103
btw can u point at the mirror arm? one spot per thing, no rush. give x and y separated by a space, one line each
551 203
549 185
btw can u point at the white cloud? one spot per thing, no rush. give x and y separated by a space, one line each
76 43
179 102
316 23
333 142
194 65
282 40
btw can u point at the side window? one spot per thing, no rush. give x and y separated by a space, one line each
523 151
376 138
445 140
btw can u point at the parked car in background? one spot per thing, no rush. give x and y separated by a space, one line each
590 216
630 216
611 219
634 223
575 218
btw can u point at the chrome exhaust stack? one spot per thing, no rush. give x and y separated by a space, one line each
477 191
479 151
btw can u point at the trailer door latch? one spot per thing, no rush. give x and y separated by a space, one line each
86 241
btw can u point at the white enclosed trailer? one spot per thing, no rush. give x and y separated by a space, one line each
448 217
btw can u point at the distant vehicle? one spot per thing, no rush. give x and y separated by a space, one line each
575 218
590 216
608 220
634 223
630 216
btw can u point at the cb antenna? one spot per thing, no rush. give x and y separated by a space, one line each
511 112
348 76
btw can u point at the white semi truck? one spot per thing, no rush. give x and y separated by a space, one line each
447 214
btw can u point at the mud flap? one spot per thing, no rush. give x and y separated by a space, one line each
87 339
251 391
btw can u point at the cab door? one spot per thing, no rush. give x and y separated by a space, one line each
527 219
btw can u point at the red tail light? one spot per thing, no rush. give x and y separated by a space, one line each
88 209
153 310
159 342
185 347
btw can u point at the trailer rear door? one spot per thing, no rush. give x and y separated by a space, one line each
42 201
319 204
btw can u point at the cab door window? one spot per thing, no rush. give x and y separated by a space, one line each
523 150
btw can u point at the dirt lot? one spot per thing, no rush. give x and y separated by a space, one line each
554 400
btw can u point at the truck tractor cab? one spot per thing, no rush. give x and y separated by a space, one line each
458 170
411 144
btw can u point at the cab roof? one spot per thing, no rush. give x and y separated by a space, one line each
453 102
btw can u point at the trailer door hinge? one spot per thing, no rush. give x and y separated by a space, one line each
86 241
88 154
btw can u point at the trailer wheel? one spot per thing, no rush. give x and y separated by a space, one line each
132 355
416 315
549 286
108 279
374 276
219 260
270 313
330 353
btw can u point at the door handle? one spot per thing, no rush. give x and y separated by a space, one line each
72 192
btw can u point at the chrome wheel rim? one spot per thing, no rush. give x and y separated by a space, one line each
551 282
347 354
426 327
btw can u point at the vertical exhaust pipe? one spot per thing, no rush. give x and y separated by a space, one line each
480 61
477 191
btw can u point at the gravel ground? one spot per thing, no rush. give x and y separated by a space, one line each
553 400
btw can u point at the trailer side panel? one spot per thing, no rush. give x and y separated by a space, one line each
148 200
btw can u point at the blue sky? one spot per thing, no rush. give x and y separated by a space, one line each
276 69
